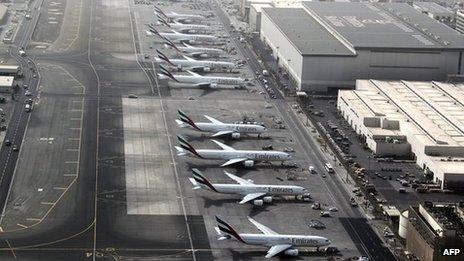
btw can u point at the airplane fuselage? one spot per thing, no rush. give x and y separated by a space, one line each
255 155
270 190
189 37
239 128
209 52
183 63
210 79
294 240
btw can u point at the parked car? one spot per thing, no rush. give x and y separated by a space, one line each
317 224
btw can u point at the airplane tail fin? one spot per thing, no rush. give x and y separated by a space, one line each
187 147
226 231
200 179
171 44
165 73
180 151
153 30
163 57
186 119
162 21
181 124
159 11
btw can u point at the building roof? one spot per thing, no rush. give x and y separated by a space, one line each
259 6
6 81
433 8
431 111
382 25
305 33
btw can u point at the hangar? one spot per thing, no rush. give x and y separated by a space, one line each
328 45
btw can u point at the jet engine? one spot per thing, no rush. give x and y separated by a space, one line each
179 68
267 199
213 86
235 135
249 163
258 202
191 41
192 31
203 55
206 69
291 252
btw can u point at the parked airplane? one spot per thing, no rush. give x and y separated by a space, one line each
257 194
194 65
233 156
201 81
219 128
176 16
184 28
180 37
194 51
278 243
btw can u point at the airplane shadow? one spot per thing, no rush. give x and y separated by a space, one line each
241 170
208 202
253 254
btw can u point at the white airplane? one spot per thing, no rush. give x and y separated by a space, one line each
180 37
201 81
176 16
195 51
257 194
194 65
219 128
184 28
233 156
278 243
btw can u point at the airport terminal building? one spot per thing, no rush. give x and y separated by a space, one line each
328 45
422 120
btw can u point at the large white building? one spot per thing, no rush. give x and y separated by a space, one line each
327 45
424 120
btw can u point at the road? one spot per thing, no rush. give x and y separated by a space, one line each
367 241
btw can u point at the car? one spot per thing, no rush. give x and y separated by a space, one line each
316 206
323 175
29 101
331 250
274 97
268 147
28 93
28 107
325 214
133 96
317 224
7 143
312 170
15 147
289 149
333 209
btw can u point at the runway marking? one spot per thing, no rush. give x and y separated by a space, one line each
12 251
47 203
60 188
72 150
71 162
75 110
21 225
75 119
74 139
69 175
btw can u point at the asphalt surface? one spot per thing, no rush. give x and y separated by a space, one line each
81 211
367 241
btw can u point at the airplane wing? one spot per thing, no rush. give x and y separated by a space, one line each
194 74
276 249
263 228
196 53
237 179
213 120
250 197
220 133
233 161
203 84
188 58
224 146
